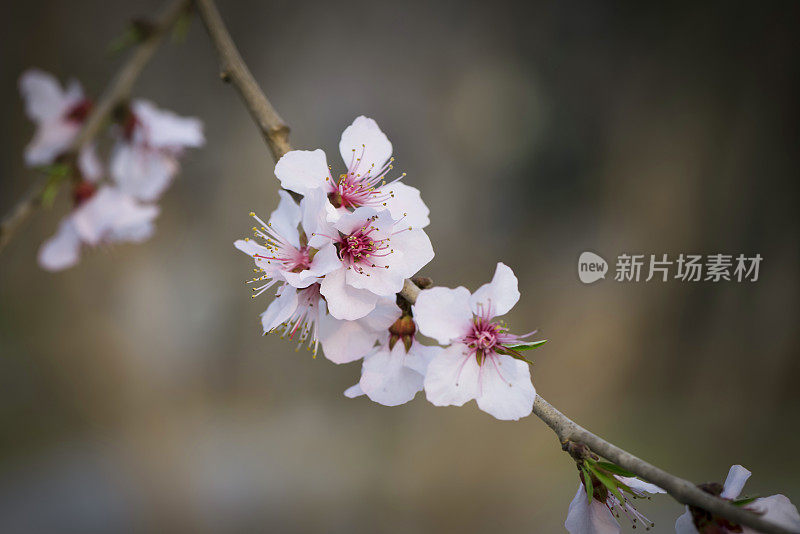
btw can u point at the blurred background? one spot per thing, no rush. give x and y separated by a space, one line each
136 390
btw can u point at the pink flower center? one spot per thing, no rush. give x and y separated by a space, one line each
486 338
79 111
359 249
361 186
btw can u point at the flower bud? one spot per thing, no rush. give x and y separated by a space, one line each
403 328
82 192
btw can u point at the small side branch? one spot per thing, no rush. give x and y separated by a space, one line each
275 132
118 91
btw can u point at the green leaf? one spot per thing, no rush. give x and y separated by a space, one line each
744 502
609 482
615 469
587 479
528 346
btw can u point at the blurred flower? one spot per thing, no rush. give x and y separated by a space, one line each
775 508
376 254
597 513
483 361
145 157
367 154
59 115
104 216
394 371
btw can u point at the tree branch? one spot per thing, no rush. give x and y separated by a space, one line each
275 133
118 90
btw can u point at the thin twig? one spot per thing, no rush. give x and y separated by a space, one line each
233 69
118 91
275 132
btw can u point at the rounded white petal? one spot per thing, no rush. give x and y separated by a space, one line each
386 380
684 524
280 309
52 139
420 356
589 518
345 302
443 313
250 247
89 164
640 485
452 377
112 215
406 203
386 312
63 249
345 341
417 252
165 129
302 170
142 172
378 280
358 218
314 207
353 391
499 295
506 391
43 96
364 140
737 476
778 509
285 218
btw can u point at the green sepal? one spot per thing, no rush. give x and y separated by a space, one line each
744 502
609 482
528 346
615 469
587 483
56 173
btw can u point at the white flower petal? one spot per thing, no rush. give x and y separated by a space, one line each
112 215
315 218
589 518
285 218
417 252
778 509
353 391
386 380
737 476
359 218
251 248
452 377
302 170
164 129
386 312
406 203
345 341
63 249
640 485
366 141
142 172
52 139
345 302
89 164
280 309
684 524
43 96
420 356
378 280
499 295
506 391
443 313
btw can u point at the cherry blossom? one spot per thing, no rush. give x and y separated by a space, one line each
775 508
284 255
58 114
394 371
600 515
376 254
102 216
481 362
151 141
366 152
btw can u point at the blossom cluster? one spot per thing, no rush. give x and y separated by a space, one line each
114 202
337 259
